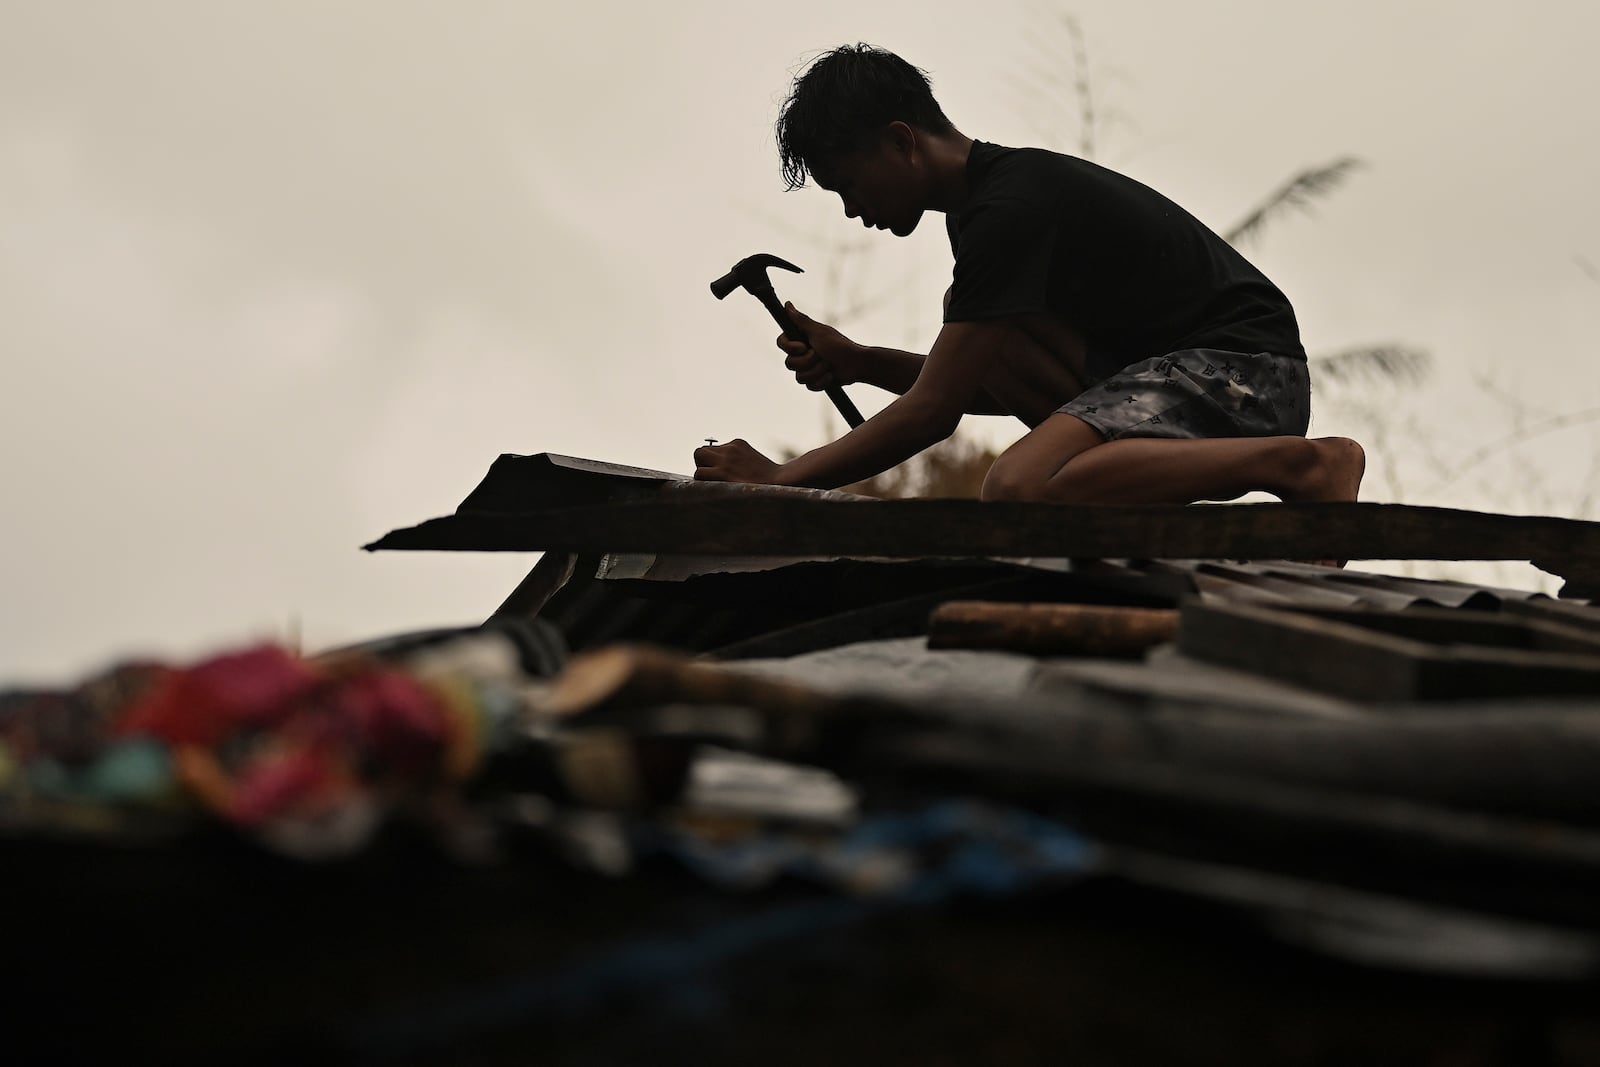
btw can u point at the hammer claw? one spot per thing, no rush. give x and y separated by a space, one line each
750 272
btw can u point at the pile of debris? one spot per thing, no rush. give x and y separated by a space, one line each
758 772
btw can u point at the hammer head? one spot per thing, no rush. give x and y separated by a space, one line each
750 273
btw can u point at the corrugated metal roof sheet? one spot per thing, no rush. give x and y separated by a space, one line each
528 504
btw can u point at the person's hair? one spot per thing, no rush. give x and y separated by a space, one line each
843 99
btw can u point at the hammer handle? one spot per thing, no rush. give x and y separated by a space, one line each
792 330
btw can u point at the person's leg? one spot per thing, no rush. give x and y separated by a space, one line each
1064 460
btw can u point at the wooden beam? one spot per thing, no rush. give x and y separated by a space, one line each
1051 629
761 524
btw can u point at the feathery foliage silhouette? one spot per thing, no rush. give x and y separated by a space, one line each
1296 194
1373 363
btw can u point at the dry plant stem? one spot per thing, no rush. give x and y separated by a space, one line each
1523 434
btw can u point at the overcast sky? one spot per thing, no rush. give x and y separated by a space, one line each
277 278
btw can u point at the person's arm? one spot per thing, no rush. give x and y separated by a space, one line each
889 369
831 359
948 381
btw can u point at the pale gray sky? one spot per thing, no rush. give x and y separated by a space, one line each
276 278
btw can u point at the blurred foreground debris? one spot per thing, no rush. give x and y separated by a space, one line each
760 795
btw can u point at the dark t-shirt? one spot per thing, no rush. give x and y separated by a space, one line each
1127 268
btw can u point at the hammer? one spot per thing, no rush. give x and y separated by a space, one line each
750 274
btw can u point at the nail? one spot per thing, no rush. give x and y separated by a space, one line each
711 440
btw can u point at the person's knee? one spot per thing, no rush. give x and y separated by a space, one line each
1017 487
1012 481
1041 466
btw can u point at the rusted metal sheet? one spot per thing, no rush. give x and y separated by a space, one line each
1245 583
1413 655
518 484
1443 593
779 524
1284 582
1167 681
1471 629
904 617
547 578
807 604
1568 613
542 491
514 484
1376 595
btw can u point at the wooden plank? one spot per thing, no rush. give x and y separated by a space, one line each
779 524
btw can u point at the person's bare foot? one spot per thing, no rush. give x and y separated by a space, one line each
1334 474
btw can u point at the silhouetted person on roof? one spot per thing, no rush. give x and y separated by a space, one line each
1151 361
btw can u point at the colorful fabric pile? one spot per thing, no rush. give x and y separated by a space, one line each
309 753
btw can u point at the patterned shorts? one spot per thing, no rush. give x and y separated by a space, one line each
1200 392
